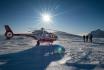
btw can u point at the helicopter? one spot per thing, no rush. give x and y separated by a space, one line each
40 35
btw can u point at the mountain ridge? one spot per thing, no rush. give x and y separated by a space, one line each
69 35
98 33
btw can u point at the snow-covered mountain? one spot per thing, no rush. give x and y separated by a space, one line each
65 34
98 33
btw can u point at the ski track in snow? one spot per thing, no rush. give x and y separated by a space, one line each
77 56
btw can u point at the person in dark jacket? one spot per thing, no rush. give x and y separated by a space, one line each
90 38
38 43
84 38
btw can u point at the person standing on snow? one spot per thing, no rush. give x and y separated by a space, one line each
90 38
84 38
38 43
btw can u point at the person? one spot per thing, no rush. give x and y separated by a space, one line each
38 43
84 38
90 38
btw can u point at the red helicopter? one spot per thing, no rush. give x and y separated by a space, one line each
39 35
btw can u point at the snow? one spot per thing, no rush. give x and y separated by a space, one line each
20 53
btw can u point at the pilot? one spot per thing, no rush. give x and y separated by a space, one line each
38 43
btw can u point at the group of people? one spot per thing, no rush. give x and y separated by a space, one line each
87 38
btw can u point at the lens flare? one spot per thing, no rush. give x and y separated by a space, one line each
46 18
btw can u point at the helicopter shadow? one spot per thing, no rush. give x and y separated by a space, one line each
36 58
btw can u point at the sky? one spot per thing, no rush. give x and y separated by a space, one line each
72 16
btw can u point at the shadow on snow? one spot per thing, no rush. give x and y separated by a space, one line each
36 58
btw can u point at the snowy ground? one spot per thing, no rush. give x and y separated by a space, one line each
20 53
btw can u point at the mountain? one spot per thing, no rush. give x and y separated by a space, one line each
98 33
66 35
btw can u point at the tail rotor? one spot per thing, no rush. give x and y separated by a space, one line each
9 32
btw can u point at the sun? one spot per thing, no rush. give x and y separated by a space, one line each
46 18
